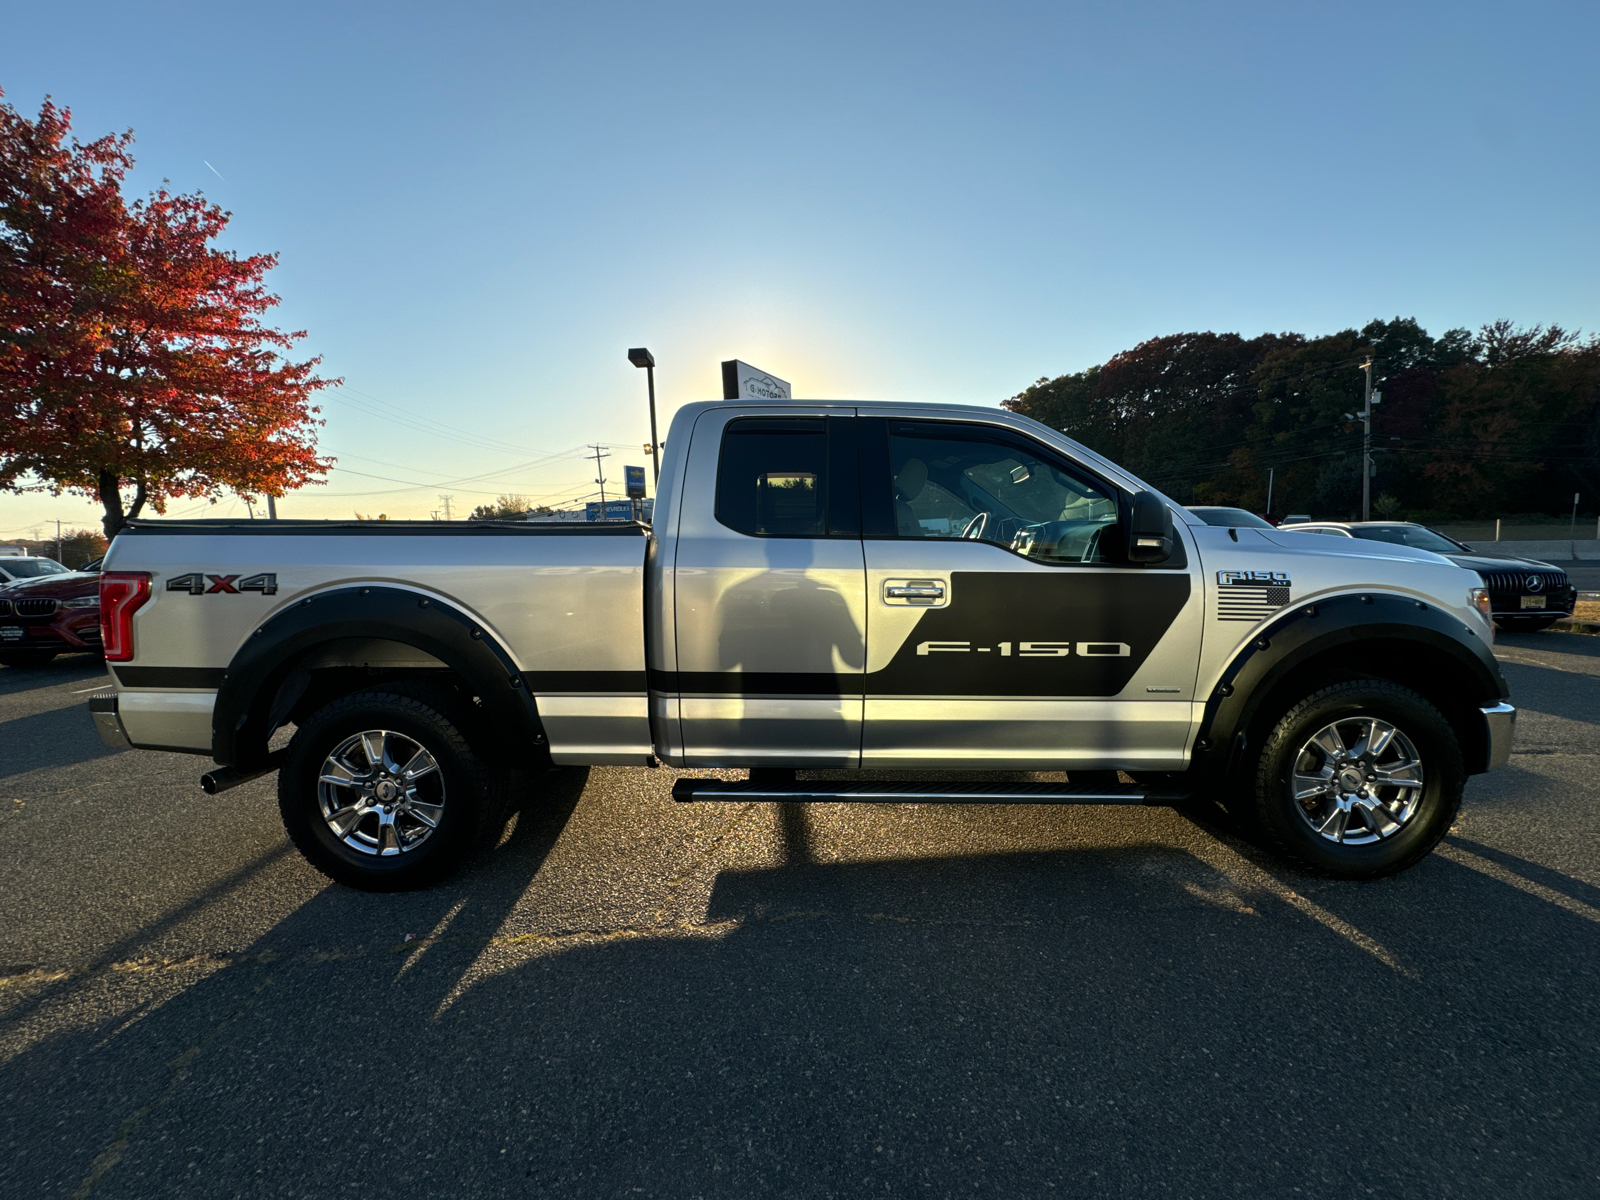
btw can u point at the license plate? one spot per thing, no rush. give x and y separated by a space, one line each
10 633
1533 602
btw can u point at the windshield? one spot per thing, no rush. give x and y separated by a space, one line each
1414 536
31 568
1236 517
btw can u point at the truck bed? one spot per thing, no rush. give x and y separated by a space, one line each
566 602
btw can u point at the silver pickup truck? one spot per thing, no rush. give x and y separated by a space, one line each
829 588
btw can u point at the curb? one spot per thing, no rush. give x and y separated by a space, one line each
1574 626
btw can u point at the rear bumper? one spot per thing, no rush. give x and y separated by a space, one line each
1499 727
107 723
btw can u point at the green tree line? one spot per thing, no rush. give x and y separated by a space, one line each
1504 420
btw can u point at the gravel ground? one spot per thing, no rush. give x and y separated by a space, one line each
628 997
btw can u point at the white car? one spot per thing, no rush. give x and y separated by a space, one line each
28 566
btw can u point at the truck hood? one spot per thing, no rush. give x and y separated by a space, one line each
1343 547
1502 562
62 587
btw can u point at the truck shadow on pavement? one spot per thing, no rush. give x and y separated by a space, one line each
1130 1021
70 668
42 741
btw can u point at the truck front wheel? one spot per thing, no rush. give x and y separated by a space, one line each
383 792
1359 780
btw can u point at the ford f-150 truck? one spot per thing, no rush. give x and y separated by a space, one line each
851 591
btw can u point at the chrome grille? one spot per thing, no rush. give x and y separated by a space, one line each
1517 581
35 607
1246 603
5 608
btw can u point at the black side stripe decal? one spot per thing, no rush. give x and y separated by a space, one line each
192 678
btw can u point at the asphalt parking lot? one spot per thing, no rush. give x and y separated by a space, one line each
628 997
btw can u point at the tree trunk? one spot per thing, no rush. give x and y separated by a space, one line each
110 487
111 501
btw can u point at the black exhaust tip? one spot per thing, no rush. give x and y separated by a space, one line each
214 783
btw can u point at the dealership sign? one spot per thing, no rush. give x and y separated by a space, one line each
741 381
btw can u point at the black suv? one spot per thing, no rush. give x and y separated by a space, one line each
1524 593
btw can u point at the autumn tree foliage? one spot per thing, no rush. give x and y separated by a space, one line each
135 365
1504 420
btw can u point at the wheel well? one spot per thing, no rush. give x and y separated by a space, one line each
1433 674
332 670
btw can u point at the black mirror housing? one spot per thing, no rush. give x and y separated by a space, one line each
1150 533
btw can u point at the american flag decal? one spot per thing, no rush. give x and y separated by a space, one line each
1251 595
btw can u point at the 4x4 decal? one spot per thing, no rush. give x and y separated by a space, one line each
199 584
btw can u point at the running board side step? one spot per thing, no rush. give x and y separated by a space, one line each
828 791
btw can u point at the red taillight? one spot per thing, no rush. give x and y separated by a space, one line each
121 595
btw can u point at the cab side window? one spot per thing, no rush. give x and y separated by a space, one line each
772 477
964 481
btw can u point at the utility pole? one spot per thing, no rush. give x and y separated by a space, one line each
60 556
445 500
1572 527
1269 490
1366 442
600 452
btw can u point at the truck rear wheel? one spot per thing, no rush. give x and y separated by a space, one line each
1359 780
383 792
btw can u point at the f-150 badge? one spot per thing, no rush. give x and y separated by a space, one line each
1031 649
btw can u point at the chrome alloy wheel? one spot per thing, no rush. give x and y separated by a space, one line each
381 792
1357 781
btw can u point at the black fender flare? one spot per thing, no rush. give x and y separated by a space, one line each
1324 625
270 655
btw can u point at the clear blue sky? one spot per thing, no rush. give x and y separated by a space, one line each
479 208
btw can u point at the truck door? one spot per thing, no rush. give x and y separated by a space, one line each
1007 629
770 597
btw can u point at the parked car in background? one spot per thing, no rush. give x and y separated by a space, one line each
1524 593
1233 518
55 612
28 566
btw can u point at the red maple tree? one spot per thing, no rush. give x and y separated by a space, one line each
133 356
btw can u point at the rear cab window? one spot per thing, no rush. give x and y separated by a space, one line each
789 477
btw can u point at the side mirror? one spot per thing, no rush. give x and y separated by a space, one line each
1150 532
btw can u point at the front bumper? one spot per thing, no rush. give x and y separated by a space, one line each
65 633
1558 603
1499 727
107 723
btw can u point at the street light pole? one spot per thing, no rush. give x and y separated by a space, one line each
640 357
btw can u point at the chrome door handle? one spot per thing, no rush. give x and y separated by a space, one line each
923 593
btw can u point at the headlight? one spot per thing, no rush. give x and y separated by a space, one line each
82 602
1479 599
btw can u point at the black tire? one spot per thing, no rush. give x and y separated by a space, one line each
1527 624
470 804
1346 706
26 658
